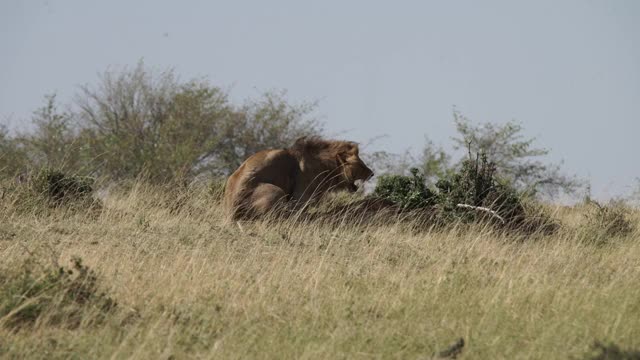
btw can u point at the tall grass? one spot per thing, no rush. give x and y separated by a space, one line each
185 284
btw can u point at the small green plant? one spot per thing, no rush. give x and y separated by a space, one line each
51 296
409 192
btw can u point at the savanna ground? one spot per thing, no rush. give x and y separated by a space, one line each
164 277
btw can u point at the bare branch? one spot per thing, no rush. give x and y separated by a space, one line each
487 210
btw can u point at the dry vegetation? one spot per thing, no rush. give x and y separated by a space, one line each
163 277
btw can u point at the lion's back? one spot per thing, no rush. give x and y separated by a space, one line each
276 166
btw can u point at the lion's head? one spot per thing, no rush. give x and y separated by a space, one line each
340 159
353 167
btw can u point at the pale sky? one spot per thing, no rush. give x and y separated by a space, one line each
568 70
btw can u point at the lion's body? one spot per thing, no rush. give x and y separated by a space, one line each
292 177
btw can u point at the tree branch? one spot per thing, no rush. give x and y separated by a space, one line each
484 209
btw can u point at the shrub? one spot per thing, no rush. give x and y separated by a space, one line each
604 223
472 193
52 296
52 140
58 188
13 158
45 191
514 156
137 122
410 192
475 184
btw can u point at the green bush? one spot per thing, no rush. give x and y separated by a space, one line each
136 123
472 193
52 296
474 187
611 351
58 188
409 192
13 157
514 156
47 190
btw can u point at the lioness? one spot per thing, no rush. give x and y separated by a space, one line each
276 179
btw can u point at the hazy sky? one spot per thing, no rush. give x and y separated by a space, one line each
568 70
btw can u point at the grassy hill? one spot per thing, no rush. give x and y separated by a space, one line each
156 273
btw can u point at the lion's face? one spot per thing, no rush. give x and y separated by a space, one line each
354 168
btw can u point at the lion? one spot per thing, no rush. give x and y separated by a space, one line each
280 180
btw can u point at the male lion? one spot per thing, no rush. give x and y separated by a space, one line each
273 180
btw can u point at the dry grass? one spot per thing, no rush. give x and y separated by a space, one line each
187 285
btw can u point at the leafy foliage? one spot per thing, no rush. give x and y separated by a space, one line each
435 162
13 158
410 192
138 123
514 156
53 143
472 193
59 188
476 185
135 123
